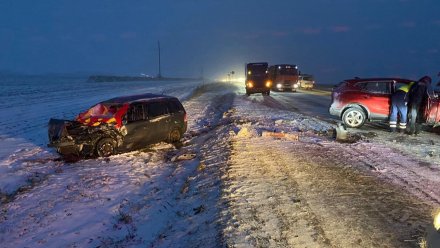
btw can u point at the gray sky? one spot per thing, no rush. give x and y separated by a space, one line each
332 39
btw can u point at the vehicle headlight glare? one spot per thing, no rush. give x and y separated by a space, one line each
437 220
268 83
250 84
279 86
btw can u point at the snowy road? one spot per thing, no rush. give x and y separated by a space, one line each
240 190
315 192
297 195
311 103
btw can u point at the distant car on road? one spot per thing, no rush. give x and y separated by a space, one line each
306 81
360 99
257 78
120 124
284 77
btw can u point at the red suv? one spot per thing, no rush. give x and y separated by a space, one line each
360 99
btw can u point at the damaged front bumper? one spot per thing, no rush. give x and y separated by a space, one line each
72 137
60 139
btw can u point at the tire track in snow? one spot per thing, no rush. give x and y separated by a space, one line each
265 207
379 212
209 139
404 171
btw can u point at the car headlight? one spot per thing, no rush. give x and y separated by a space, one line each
295 86
268 83
279 86
437 221
250 84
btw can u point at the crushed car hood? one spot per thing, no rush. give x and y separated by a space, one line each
102 113
57 129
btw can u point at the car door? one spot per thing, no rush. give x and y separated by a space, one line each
177 115
159 121
431 110
376 97
137 125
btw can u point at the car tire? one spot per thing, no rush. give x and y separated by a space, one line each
268 93
105 147
247 93
174 136
354 117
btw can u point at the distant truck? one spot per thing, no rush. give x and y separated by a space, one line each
306 81
257 78
284 77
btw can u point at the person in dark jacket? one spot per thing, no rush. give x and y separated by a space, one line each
399 101
417 97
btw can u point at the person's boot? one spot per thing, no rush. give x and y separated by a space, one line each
411 130
418 129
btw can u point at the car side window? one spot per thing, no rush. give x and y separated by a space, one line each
156 109
136 112
376 87
174 106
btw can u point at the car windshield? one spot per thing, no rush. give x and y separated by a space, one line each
255 70
101 110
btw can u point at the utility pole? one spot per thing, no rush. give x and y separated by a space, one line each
160 74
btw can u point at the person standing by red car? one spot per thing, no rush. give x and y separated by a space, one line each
399 109
417 96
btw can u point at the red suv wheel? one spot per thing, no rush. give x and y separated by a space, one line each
354 117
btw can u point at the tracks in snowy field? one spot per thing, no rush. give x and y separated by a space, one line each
200 193
149 195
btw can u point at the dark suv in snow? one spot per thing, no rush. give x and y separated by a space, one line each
120 124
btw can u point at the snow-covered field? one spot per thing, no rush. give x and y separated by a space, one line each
241 187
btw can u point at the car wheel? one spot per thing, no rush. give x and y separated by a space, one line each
268 93
247 93
354 117
174 136
105 147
